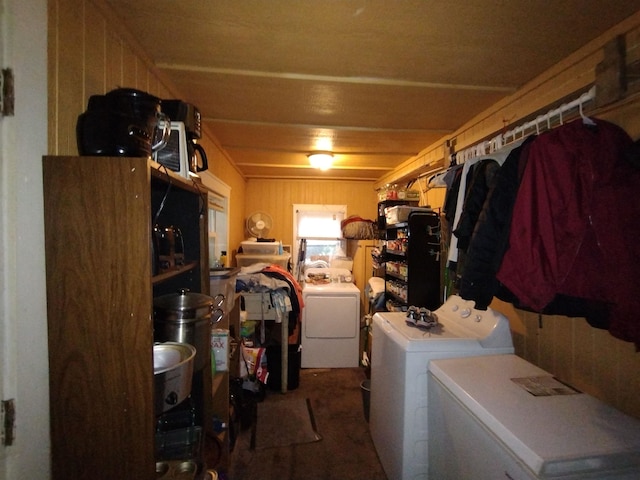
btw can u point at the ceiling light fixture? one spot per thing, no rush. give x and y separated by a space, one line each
321 160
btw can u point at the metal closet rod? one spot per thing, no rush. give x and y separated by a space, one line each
540 123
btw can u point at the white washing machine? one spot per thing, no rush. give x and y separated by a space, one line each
400 357
330 335
502 417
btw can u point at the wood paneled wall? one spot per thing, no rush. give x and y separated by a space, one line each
89 53
587 358
276 197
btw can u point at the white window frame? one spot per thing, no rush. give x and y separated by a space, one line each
218 195
339 210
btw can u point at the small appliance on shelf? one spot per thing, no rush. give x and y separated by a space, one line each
182 153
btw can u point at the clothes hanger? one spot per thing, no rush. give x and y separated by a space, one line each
585 120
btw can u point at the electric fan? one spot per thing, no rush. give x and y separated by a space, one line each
259 224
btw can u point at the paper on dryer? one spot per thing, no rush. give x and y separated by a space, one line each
544 386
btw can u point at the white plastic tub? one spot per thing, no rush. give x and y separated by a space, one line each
260 248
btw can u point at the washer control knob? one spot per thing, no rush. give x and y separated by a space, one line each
465 312
478 317
454 308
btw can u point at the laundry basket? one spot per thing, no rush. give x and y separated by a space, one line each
357 228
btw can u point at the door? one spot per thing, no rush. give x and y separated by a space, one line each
330 315
7 362
23 337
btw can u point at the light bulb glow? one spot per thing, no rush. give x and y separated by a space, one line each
322 161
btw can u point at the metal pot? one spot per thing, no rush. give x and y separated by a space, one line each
172 373
185 317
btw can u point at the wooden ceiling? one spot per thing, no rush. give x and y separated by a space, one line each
373 81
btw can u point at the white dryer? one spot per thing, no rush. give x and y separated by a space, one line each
330 335
400 357
502 417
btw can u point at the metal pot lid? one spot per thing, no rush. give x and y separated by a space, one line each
185 303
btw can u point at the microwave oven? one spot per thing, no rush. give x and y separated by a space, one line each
175 154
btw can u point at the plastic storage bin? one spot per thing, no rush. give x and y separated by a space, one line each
222 281
247 259
260 248
400 213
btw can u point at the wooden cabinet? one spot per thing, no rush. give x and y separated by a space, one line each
99 213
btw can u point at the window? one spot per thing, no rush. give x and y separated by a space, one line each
218 218
319 227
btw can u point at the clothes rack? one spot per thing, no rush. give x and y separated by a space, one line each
541 123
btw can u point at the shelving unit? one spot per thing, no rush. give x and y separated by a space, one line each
222 282
412 261
99 213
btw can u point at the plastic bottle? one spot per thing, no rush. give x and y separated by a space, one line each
223 258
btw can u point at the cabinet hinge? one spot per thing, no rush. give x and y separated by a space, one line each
7 93
8 418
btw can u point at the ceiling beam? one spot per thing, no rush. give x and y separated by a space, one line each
332 78
333 167
345 128
364 153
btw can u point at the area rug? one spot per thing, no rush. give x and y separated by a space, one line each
283 423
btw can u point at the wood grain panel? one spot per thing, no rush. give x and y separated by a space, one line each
563 347
435 197
276 197
129 67
70 72
629 368
71 76
546 344
99 322
583 357
531 340
113 61
95 52
606 368
587 358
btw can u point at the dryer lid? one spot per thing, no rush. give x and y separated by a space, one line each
554 435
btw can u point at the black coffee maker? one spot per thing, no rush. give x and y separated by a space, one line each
123 122
179 111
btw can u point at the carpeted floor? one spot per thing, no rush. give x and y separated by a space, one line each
345 451
284 422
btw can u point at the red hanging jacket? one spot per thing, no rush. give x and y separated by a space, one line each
575 225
